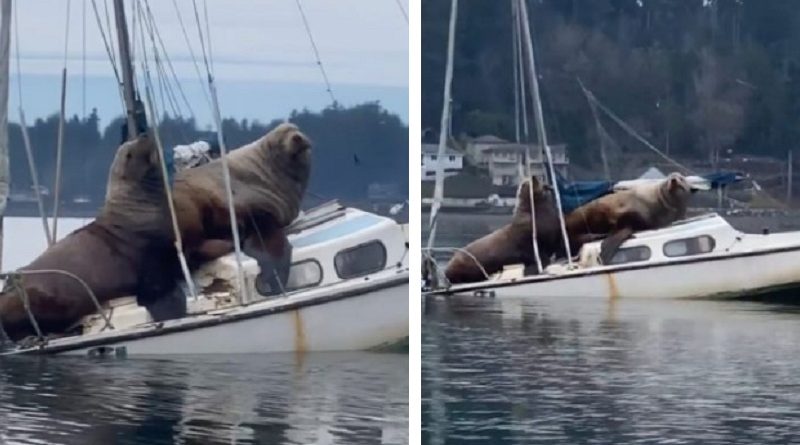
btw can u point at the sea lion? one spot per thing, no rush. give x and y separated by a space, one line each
107 254
618 215
512 243
268 177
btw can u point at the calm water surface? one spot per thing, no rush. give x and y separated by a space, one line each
575 371
338 398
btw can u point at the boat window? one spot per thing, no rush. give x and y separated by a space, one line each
631 254
306 273
689 246
361 260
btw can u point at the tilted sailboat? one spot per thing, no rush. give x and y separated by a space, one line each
697 257
347 285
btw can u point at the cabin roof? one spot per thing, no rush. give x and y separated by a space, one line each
335 229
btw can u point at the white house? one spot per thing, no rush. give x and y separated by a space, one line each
504 162
453 161
502 158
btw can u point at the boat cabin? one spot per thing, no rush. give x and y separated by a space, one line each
331 245
699 236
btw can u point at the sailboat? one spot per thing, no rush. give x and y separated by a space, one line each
347 286
697 257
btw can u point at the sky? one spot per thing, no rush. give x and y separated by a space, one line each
263 61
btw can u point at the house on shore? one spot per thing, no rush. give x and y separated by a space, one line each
503 160
452 162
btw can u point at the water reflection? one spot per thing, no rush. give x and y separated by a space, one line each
340 398
594 371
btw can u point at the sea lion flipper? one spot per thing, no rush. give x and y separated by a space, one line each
610 245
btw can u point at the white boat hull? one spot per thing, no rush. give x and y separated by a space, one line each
711 276
356 321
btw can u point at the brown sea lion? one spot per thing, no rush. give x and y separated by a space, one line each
107 254
512 243
618 215
268 177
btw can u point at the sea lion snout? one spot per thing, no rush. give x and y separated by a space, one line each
677 182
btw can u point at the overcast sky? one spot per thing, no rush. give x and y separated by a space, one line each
263 59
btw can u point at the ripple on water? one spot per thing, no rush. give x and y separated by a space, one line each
340 398
586 371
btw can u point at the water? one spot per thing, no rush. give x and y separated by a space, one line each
24 239
578 370
332 398
337 398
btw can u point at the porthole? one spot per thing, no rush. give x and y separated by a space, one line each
631 254
360 260
689 246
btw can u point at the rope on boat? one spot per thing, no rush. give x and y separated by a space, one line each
226 175
541 132
151 108
316 51
593 100
27 140
428 250
14 277
520 73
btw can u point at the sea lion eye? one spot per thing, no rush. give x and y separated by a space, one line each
128 156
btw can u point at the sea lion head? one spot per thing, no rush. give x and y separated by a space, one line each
135 190
676 186
288 147
540 192
137 161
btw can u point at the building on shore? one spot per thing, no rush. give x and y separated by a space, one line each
453 161
502 159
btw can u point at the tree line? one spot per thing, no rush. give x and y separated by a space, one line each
699 78
353 148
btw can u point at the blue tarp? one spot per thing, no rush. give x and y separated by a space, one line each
578 193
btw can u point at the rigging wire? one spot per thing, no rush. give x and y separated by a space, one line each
83 58
226 175
208 35
61 123
526 157
110 54
191 53
200 34
316 51
27 140
541 132
153 28
402 9
153 112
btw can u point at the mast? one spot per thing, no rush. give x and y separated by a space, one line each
5 173
540 129
126 67
438 189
